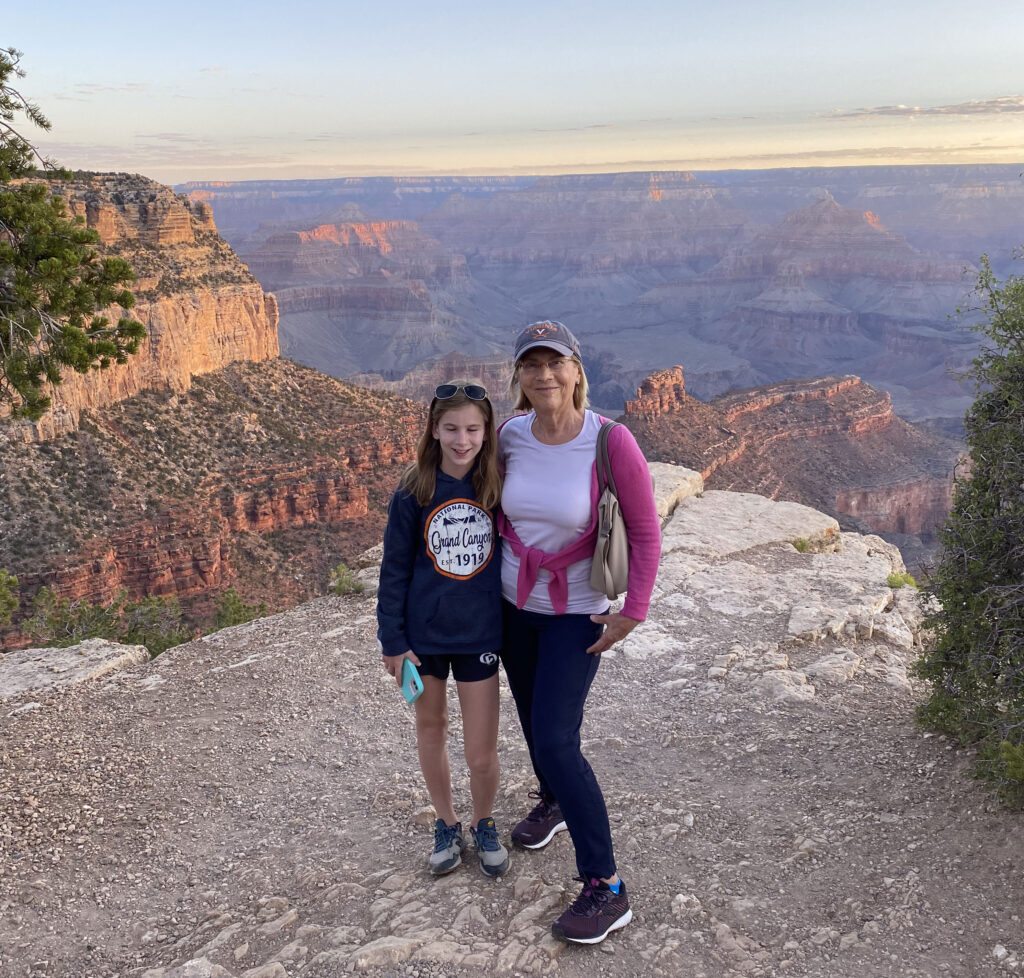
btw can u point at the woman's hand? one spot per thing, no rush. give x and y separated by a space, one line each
616 627
393 664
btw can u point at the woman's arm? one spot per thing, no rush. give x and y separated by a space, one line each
640 513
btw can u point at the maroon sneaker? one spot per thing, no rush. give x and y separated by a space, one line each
594 914
539 827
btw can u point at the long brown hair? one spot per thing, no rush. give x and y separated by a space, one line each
420 479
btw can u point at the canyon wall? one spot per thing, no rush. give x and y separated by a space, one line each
418 384
359 296
747 277
205 461
201 306
832 442
262 476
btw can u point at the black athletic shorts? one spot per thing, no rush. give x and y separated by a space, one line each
464 668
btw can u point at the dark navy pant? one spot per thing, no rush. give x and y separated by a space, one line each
549 673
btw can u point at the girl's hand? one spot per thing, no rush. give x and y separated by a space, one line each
393 664
616 627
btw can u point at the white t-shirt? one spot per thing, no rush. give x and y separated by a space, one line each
546 497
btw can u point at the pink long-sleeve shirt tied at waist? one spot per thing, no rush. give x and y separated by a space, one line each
643 528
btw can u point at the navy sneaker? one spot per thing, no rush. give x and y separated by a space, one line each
493 855
448 846
594 914
539 827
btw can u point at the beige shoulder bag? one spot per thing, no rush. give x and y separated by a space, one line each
610 570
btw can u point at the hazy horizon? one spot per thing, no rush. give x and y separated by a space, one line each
205 92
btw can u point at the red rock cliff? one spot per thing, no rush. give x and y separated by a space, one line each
202 307
261 476
831 442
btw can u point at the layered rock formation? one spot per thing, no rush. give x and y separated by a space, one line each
355 250
748 278
418 384
599 224
242 207
201 306
260 475
359 296
833 442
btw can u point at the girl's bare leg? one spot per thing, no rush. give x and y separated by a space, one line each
432 744
479 703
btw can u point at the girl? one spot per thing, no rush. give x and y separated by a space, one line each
439 604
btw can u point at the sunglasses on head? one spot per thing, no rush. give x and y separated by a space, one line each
473 391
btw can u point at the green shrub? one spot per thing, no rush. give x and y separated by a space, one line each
976 668
343 581
802 544
157 623
8 600
904 579
232 610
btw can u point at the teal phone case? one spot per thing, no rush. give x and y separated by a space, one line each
412 685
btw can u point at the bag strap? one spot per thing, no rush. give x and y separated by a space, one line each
604 465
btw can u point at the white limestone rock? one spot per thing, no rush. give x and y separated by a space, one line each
35 670
384 951
836 667
673 484
721 523
784 686
196 968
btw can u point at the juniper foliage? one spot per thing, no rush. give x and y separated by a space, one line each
976 668
54 286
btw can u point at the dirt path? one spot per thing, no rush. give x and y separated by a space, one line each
250 806
253 800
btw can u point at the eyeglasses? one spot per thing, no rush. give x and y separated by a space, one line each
556 365
473 391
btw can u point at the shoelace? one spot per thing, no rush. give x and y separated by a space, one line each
443 837
591 899
487 838
541 810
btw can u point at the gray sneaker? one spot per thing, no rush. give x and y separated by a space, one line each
448 846
493 855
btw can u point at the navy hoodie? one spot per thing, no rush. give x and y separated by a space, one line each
440 578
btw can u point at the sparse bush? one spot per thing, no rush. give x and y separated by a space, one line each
343 581
232 610
157 623
802 545
898 580
61 622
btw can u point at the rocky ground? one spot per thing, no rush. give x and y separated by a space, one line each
249 805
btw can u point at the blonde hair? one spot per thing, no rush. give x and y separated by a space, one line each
521 402
420 479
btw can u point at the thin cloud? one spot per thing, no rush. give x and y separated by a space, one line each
89 88
1005 105
175 137
597 125
213 69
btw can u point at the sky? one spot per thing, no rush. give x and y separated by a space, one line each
301 89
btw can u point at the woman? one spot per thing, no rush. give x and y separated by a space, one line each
555 626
